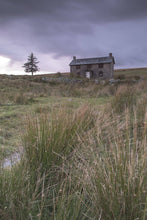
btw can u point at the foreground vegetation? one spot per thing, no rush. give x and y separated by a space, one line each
84 154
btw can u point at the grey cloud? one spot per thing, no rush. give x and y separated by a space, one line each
67 27
67 10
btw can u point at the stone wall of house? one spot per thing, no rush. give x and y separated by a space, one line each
94 70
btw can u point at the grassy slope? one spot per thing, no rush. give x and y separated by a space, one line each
141 72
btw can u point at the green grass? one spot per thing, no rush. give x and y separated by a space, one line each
84 151
90 165
12 117
131 73
21 95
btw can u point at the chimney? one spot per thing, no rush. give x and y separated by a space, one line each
110 54
74 57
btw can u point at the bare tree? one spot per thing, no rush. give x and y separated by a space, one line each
31 65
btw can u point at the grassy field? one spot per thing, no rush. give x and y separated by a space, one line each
23 95
84 148
130 73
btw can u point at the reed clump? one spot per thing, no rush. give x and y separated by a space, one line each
51 137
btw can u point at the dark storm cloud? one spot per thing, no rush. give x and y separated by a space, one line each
69 9
67 27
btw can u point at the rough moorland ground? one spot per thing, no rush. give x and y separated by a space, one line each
21 95
84 148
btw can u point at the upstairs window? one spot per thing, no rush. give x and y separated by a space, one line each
78 67
101 65
89 66
101 74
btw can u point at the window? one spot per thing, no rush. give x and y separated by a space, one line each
101 74
89 66
78 67
101 65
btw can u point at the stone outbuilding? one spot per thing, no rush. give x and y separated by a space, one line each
93 68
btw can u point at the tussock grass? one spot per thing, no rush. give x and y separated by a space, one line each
111 171
125 97
23 99
87 164
52 136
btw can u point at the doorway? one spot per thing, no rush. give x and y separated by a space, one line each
88 74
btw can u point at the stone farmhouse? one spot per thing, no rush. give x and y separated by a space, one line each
93 68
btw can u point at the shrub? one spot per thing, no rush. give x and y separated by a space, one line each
58 74
136 77
22 99
121 76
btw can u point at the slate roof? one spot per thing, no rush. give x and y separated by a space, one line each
96 60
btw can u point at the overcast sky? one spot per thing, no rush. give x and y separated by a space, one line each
55 30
